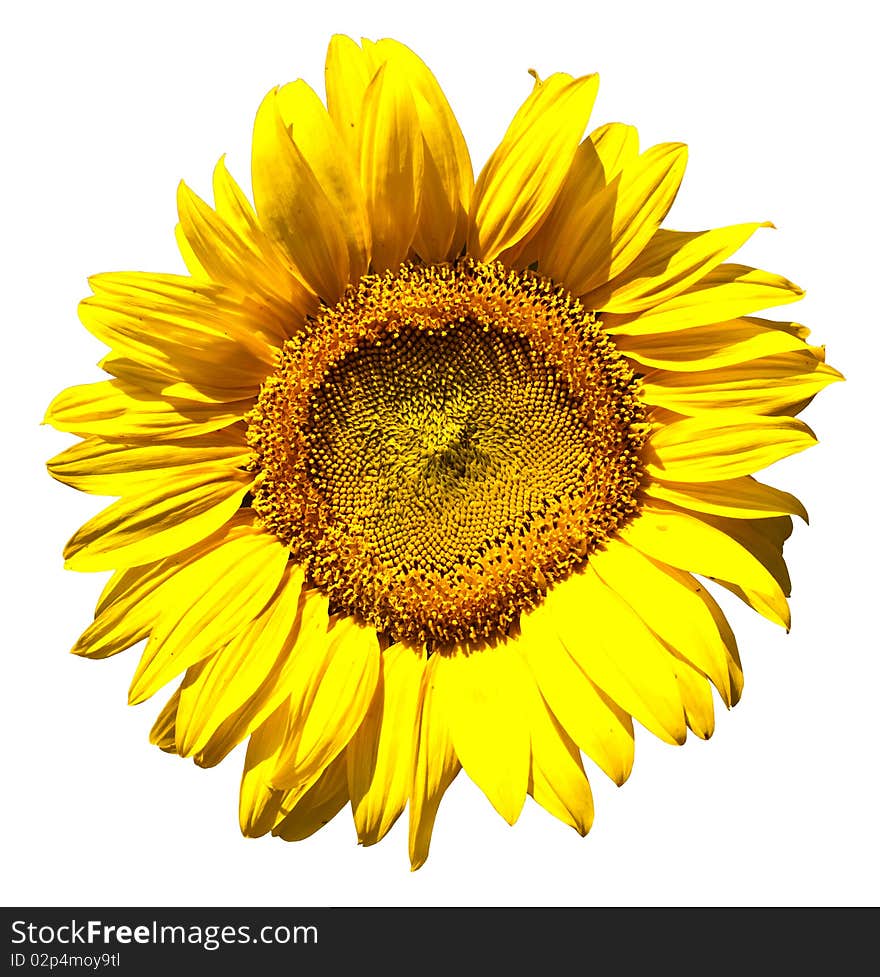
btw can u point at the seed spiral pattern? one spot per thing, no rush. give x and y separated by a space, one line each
445 443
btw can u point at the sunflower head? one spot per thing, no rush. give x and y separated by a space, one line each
417 472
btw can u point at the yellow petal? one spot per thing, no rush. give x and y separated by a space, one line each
597 161
210 601
280 275
618 652
618 222
258 800
380 755
330 694
128 607
689 543
448 177
711 347
696 696
669 603
184 311
771 385
740 498
238 672
347 72
484 694
162 732
118 410
307 812
280 301
294 209
726 445
667 265
113 468
524 174
392 164
297 615
435 766
161 380
727 292
177 351
158 521
599 727
316 137
556 779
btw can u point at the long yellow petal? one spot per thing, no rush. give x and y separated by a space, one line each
667 265
726 445
293 207
120 411
182 311
162 731
177 351
330 696
380 755
448 176
211 600
524 174
556 778
161 380
740 498
310 811
618 222
259 801
771 385
237 672
435 766
113 468
159 520
618 652
316 137
129 619
598 725
696 697
484 695
689 543
597 161
347 72
392 164
670 604
279 300
280 276
298 615
711 347
727 292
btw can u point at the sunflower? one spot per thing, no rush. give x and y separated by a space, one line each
418 473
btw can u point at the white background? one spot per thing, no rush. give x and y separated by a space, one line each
105 108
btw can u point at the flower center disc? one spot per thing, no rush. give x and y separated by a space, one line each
443 444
